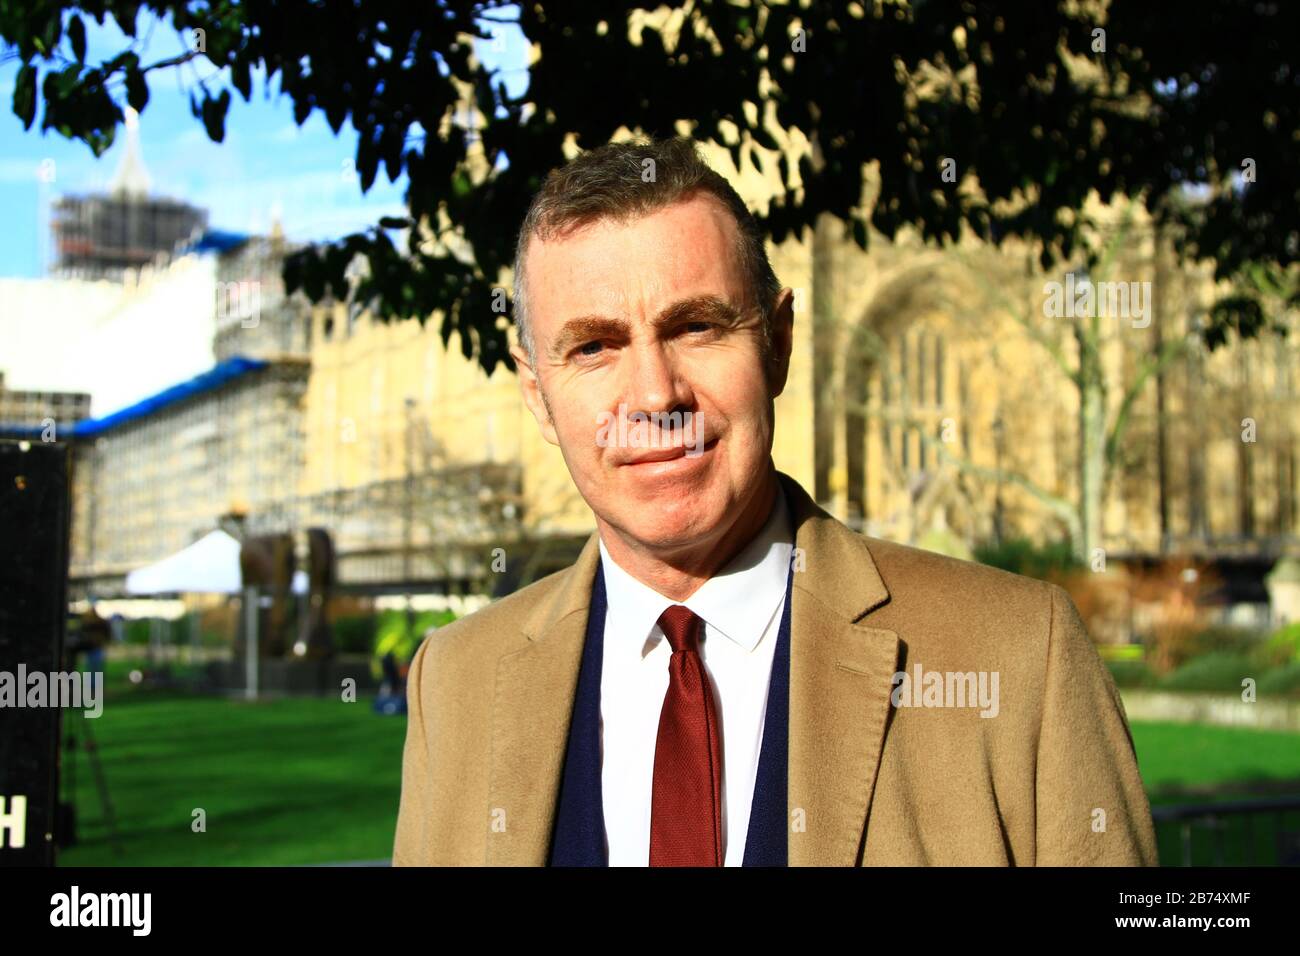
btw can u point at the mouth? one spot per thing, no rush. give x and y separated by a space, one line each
660 455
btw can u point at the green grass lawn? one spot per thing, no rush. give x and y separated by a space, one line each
302 780
1199 763
311 780
1190 763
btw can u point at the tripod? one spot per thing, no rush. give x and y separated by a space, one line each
101 782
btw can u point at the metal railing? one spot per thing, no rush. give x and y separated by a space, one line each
1230 833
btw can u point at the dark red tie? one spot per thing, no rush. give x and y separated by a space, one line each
686 805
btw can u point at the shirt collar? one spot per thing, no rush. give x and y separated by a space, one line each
737 602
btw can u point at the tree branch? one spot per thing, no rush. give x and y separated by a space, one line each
1022 319
1062 508
1151 365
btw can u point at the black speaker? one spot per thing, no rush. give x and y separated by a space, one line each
34 513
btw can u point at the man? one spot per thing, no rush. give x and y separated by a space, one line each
728 675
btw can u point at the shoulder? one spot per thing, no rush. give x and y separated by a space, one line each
912 573
935 596
492 630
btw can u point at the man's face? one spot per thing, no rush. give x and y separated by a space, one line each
649 319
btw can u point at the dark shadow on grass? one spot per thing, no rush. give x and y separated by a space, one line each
1254 784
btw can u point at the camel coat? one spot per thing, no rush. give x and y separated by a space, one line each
878 775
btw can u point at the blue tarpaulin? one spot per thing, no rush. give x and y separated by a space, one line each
214 378
216 240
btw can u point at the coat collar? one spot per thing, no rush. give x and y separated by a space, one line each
841 677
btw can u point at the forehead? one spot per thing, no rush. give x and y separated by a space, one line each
636 267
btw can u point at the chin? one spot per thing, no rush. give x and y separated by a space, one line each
675 523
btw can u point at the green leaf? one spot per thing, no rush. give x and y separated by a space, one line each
241 77
77 36
367 163
125 14
25 95
49 39
62 84
335 113
214 115
137 90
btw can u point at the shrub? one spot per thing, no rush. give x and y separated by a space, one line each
1174 590
392 634
1236 640
354 634
136 631
1283 647
1021 556
1281 681
1131 673
1221 671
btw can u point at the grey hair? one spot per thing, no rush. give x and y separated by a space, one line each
610 183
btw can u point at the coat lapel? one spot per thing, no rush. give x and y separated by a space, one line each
535 687
841 678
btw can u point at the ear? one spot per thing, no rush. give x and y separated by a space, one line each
782 339
531 388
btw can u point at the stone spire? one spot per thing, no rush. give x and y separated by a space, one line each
276 236
131 181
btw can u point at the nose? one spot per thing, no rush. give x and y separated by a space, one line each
655 383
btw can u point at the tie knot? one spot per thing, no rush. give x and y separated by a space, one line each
681 626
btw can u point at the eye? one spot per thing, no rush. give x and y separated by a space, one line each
590 348
698 326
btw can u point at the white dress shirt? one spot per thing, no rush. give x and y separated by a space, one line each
741 608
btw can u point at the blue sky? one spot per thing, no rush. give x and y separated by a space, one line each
266 162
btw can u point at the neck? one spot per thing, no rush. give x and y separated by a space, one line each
678 574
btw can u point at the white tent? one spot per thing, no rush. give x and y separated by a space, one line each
209 565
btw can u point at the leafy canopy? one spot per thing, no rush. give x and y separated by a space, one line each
1032 106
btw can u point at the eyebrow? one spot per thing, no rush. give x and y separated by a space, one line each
587 328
